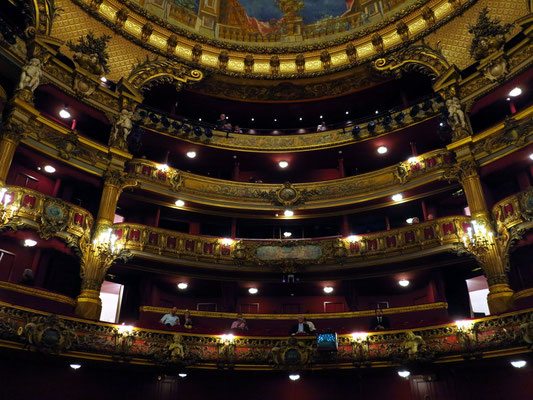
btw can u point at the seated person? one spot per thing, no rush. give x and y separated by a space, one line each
171 319
239 323
311 326
322 127
221 121
187 321
27 278
379 322
300 328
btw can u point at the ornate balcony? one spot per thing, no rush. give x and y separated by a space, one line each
431 236
22 208
514 212
497 336
257 196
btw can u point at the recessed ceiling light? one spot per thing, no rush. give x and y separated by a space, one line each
301 118
283 164
191 154
180 203
328 289
377 111
182 285
30 243
287 234
321 117
253 119
75 366
275 120
288 213
404 373
382 149
441 124
294 377
347 112
253 290
519 363
103 79
182 375
200 119
49 169
531 156
64 113
397 197
515 92
403 282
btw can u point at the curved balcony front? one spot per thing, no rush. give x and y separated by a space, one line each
418 171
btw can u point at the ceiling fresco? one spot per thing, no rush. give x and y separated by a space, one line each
273 20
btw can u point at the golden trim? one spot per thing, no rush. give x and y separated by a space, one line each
523 294
38 293
351 314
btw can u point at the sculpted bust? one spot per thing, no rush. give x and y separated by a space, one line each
31 75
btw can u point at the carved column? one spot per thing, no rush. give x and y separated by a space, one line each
8 144
108 203
491 255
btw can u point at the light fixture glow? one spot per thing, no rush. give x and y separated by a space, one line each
531 156
64 113
519 363
103 79
191 154
515 92
409 220
397 197
301 118
464 325
377 111
253 119
275 120
359 336
162 167
347 112
75 366
287 234
412 159
404 373
328 289
294 377
49 169
403 282
227 241
253 290
200 119
283 164
182 285
227 338
288 213
352 238
30 243
321 117
125 329
182 375
382 149
180 203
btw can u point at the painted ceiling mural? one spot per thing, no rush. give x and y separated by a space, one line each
273 20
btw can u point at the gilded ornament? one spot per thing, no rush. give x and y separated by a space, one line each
54 219
403 30
489 35
196 51
48 334
292 352
325 58
147 31
377 42
249 63
351 52
274 65
121 130
90 53
223 59
121 18
429 16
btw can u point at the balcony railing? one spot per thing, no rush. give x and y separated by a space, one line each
149 241
514 210
260 196
22 208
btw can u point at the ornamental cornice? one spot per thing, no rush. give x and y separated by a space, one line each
25 329
229 58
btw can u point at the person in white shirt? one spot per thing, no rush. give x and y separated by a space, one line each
171 319
322 127
301 327
311 326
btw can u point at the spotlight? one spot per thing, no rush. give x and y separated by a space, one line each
515 92
409 220
49 169
253 119
182 286
301 118
321 117
29 243
182 374
397 197
200 119
103 79
64 113
382 149
356 131
75 366
371 126
180 203
441 124
531 156
253 290
288 213
275 120
283 164
191 154
519 363
294 377
377 111
347 112
287 234
403 282
404 374
328 289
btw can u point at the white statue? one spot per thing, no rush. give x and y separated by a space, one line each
412 343
457 116
122 127
31 75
